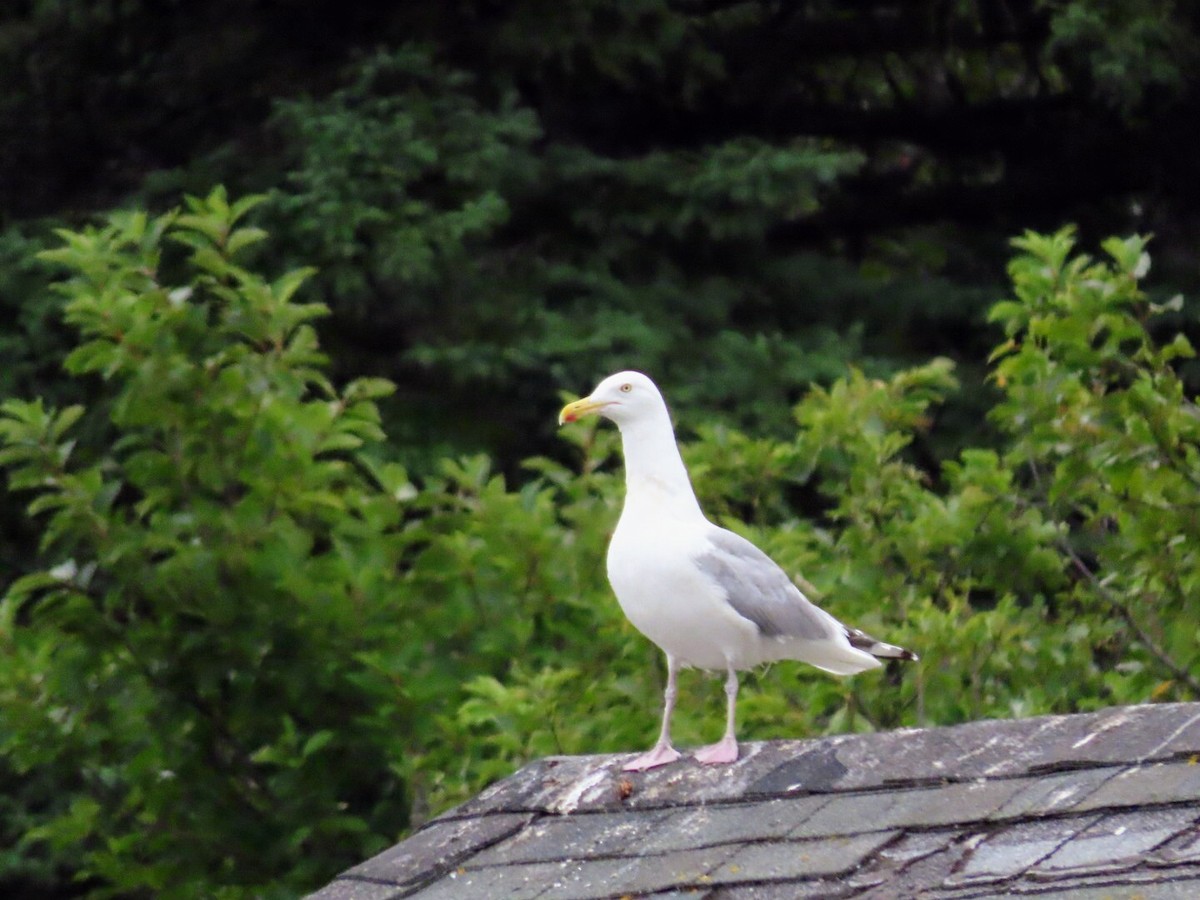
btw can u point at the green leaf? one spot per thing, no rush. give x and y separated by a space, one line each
244 205
287 285
316 743
64 420
243 238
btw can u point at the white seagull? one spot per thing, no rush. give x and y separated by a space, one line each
706 596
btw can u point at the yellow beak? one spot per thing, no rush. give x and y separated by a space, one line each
578 409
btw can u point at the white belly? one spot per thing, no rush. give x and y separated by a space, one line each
673 603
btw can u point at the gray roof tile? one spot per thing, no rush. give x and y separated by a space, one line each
909 855
1183 849
920 807
703 825
825 889
593 879
439 846
354 889
578 836
800 860
516 882
1177 889
1055 793
1115 843
645 874
1011 851
1139 785
1105 804
918 867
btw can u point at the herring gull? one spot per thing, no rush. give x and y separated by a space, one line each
707 597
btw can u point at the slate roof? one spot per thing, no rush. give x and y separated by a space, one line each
1099 805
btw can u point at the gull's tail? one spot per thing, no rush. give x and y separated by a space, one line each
860 640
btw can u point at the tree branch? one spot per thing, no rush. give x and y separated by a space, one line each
1180 673
1164 658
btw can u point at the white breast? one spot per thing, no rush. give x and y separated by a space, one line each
669 599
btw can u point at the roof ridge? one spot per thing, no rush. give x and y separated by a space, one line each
1085 801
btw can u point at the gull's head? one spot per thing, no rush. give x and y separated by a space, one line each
623 397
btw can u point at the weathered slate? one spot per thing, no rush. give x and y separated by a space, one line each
1105 804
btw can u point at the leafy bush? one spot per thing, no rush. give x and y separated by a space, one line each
184 671
1108 443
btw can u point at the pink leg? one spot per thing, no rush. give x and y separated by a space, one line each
726 749
662 752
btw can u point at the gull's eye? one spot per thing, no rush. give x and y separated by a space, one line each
626 388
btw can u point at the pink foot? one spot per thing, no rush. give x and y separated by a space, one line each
723 751
660 755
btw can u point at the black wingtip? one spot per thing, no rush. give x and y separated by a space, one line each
890 651
860 640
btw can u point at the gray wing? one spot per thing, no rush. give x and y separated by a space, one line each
760 591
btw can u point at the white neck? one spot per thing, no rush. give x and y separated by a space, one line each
654 470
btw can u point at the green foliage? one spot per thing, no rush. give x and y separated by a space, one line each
32 347
398 175
1126 50
185 668
251 651
523 194
1103 428
475 254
